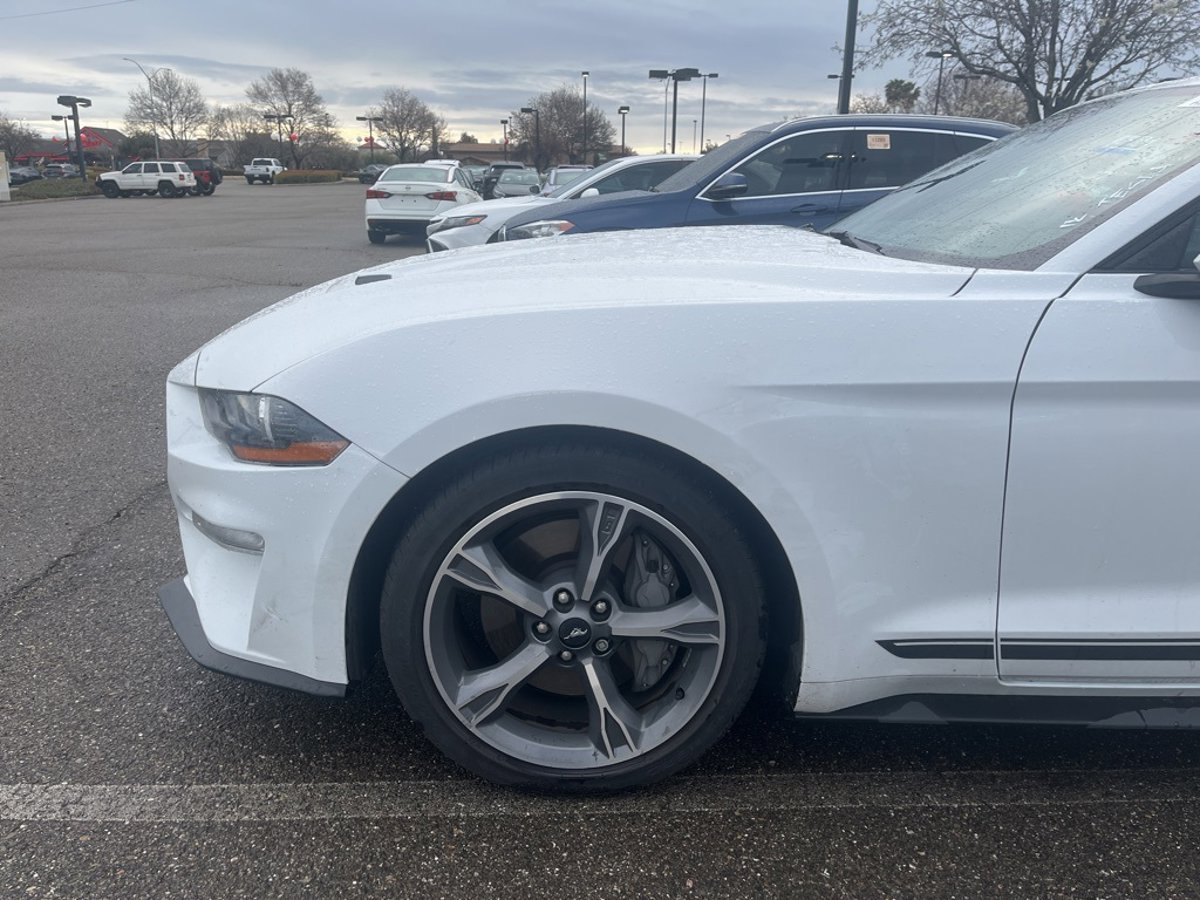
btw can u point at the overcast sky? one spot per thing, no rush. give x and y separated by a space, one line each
474 61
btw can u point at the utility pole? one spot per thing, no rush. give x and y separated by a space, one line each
848 57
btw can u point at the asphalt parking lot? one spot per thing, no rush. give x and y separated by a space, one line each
127 771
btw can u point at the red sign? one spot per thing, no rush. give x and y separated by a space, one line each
293 137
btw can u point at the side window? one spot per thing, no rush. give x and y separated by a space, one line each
965 143
151 168
800 164
611 184
1169 250
642 178
133 169
884 158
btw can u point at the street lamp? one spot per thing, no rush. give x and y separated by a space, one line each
704 103
941 56
537 135
370 120
153 101
966 78
585 78
623 111
848 57
66 130
676 76
504 124
279 119
694 122
664 76
73 103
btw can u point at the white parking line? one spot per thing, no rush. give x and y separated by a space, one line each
454 799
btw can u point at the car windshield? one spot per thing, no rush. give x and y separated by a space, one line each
425 174
566 176
712 163
1016 203
562 187
519 176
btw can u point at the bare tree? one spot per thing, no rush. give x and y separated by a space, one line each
983 98
869 103
172 107
290 93
560 122
244 133
16 137
1056 53
409 126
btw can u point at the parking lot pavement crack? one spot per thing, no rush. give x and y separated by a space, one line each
81 542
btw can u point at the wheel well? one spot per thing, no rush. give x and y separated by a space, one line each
782 666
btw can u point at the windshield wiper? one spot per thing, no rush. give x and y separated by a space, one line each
857 243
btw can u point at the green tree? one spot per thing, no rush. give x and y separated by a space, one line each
901 95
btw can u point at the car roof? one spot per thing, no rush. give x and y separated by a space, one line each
888 120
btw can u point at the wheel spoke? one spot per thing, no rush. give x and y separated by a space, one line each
483 693
613 721
688 621
482 568
602 524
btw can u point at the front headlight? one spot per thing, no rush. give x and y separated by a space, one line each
454 222
548 228
264 429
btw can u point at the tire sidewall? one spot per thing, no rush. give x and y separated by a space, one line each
692 509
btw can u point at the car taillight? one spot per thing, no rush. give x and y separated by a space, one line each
373 194
182 177
443 195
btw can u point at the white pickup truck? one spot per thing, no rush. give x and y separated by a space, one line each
263 170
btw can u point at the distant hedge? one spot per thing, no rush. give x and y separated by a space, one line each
51 188
308 176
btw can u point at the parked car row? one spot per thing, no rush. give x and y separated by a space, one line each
167 178
935 462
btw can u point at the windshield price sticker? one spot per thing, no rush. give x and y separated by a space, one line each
879 142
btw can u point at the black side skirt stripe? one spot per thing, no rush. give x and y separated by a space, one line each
1115 649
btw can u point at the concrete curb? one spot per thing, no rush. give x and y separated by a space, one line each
7 203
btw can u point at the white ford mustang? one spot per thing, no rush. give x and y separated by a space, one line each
942 463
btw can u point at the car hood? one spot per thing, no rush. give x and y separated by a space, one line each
626 270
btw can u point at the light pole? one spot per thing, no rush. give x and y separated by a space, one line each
664 76
370 120
66 130
676 76
73 103
941 56
153 101
704 103
504 124
694 123
537 135
836 78
966 78
585 78
623 111
848 57
279 119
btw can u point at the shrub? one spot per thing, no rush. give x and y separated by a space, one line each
54 187
308 176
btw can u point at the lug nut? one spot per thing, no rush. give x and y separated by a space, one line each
566 656
600 609
562 597
542 628
602 645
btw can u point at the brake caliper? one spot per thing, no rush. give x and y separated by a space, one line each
650 583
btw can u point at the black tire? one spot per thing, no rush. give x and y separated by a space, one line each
375 236
249 179
270 179
528 476
166 189
127 193
207 190
110 190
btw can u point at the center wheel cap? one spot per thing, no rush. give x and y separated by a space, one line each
575 633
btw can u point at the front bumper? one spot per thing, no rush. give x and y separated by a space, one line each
180 608
454 238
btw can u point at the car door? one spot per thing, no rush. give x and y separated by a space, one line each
130 178
882 159
1100 564
795 180
149 179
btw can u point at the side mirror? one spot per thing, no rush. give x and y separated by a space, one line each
1185 286
728 186
590 192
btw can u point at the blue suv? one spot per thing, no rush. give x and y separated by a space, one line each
810 171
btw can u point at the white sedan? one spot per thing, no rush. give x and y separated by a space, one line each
479 223
938 464
405 198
